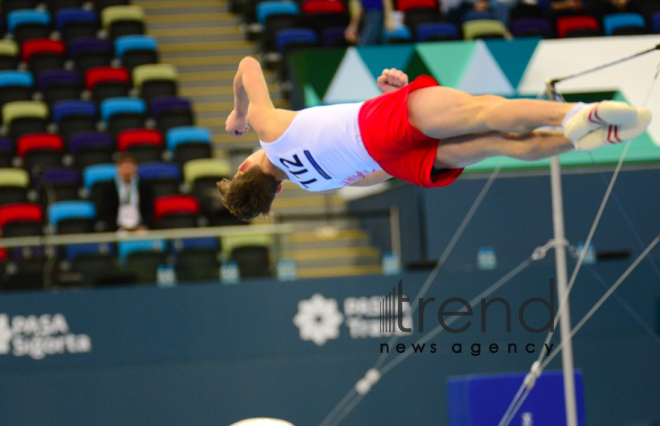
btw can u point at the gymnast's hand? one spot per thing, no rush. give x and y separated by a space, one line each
392 79
236 126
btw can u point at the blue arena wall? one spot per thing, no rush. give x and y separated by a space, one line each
213 354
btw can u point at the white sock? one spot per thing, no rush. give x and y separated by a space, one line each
570 114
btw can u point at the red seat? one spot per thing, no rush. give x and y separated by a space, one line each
323 6
98 75
3 254
24 212
404 5
34 141
41 45
567 24
170 204
129 138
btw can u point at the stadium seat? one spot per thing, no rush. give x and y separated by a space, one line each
136 50
399 35
655 22
29 24
90 148
155 80
96 262
43 54
176 211
275 23
201 177
197 259
75 116
322 6
266 8
6 152
295 38
171 111
142 258
23 117
123 114
624 24
76 23
88 53
15 86
60 85
107 82
417 16
189 143
251 253
532 27
58 184
72 217
9 57
122 20
333 37
483 28
405 5
322 21
163 178
13 185
40 150
437 31
143 144
577 26
93 179
21 220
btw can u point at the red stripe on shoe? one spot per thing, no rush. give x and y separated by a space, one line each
594 118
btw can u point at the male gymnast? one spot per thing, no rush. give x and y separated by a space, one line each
419 132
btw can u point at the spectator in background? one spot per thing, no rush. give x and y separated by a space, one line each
459 11
606 7
127 202
560 8
374 15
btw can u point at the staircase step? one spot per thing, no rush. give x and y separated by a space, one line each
341 271
190 18
152 6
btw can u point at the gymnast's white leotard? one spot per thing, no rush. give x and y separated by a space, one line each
322 148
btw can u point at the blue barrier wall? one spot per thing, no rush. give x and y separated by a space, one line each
213 354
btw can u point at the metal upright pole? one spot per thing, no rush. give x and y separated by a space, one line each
562 280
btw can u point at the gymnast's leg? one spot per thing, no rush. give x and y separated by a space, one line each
462 151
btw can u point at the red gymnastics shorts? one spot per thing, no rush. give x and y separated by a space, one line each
399 148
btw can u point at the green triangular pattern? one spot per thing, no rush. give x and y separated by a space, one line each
317 67
377 58
513 62
448 60
311 98
416 67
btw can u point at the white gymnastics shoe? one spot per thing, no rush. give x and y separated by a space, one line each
262 422
614 134
585 118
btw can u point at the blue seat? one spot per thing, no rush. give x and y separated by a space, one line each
73 16
401 33
612 23
75 250
98 173
58 77
158 170
55 175
125 248
26 16
134 42
267 8
295 35
63 210
655 22
195 243
16 78
64 109
112 106
187 134
437 30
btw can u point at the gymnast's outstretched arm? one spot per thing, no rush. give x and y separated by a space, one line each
251 100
